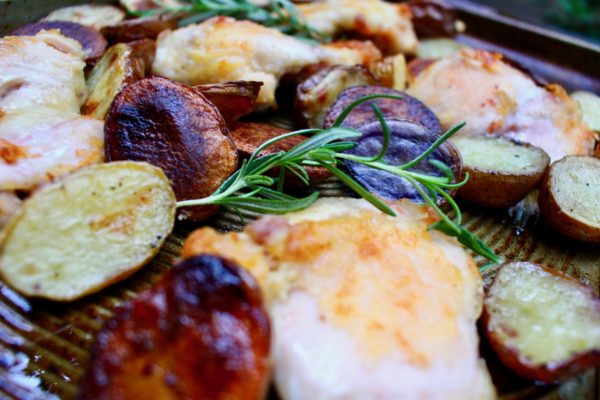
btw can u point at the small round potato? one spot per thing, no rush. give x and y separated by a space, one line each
501 172
569 198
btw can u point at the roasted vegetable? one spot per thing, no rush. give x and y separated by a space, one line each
407 141
95 15
117 68
10 204
172 126
543 324
391 72
233 99
248 136
433 19
415 67
569 198
315 95
88 230
408 108
437 48
139 28
92 42
145 50
200 333
501 171
590 108
141 5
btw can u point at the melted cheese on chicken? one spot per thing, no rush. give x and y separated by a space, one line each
363 305
497 99
223 49
42 87
388 25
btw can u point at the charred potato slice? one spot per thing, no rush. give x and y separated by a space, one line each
233 99
315 95
569 198
139 28
95 15
543 324
392 72
200 333
248 136
117 68
172 126
407 108
501 172
590 108
92 42
95 227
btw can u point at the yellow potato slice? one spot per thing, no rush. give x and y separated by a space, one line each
590 108
95 15
93 228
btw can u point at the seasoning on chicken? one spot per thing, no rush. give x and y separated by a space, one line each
363 305
495 98
42 134
387 25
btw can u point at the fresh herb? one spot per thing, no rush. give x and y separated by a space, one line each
282 15
250 188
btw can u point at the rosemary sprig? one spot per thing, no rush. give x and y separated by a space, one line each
282 15
249 187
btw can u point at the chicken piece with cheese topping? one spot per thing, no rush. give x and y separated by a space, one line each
495 98
42 134
363 305
388 25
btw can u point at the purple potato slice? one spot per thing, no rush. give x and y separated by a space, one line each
407 108
407 141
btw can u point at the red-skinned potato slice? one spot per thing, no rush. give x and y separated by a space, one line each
543 324
145 50
233 99
92 42
248 136
200 333
172 126
139 28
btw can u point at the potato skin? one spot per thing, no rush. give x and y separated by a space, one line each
139 28
541 373
200 333
233 99
172 126
144 50
556 218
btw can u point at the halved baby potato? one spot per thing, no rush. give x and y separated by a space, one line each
590 108
569 198
543 324
117 68
501 171
82 233
96 15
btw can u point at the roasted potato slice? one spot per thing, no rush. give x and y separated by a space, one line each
437 48
433 19
201 333
145 50
117 68
590 108
248 136
10 204
92 42
391 72
94 15
407 108
415 67
174 127
543 324
141 5
569 198
501 171
82 233
315 95
233 99
139 28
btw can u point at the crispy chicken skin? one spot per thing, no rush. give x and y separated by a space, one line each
387 25
363 305
496 99
42 87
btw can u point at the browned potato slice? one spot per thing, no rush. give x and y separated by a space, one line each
91 40
94 15
139 28
391 72
172 126
201 333
569 198
501 171
407 108
315 95
543 324
117 68
80 234
433 18
248 136
145 50
233 99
